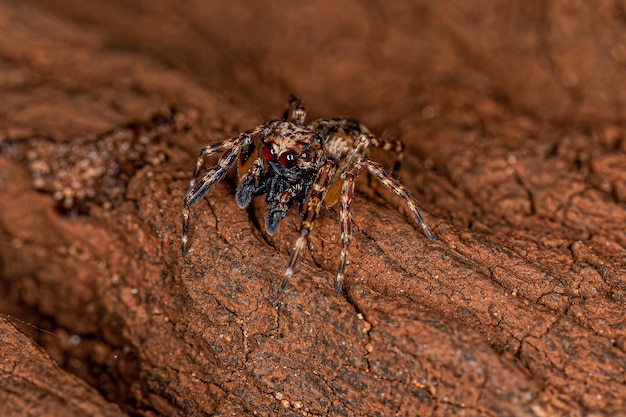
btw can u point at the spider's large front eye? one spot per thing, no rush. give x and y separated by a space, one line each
269 153
288 160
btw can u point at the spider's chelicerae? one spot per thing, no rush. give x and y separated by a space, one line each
313 165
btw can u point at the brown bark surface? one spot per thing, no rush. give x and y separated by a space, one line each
513 115
32 384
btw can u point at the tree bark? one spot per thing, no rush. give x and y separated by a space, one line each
32 384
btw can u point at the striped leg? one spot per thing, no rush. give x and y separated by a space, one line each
313 205
389 145
208 151
400 190
295 113
345 214
232 147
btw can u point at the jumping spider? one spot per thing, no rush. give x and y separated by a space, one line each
292 162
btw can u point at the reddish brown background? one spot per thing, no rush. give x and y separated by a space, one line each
513 115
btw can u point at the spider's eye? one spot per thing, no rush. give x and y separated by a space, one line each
269 153
304 155
288 160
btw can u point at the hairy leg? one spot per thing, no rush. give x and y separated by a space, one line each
312 208
345 215
393 145
400 190
210 150
215 174
295 112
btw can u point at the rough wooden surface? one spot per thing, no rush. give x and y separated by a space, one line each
33 385
516 149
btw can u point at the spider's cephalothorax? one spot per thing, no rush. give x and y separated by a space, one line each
282 165
292 162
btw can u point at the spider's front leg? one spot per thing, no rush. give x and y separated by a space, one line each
206 152
231 149
312 208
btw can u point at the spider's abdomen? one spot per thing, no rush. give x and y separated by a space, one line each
339 135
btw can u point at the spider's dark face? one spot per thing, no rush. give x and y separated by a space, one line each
290 157
291 150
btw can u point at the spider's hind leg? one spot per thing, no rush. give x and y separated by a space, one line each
400 190
356 160
295 113
396 146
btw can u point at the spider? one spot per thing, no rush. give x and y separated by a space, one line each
313 165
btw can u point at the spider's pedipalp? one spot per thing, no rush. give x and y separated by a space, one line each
278 209
250 185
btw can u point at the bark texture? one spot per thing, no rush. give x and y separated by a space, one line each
33 385
513 116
